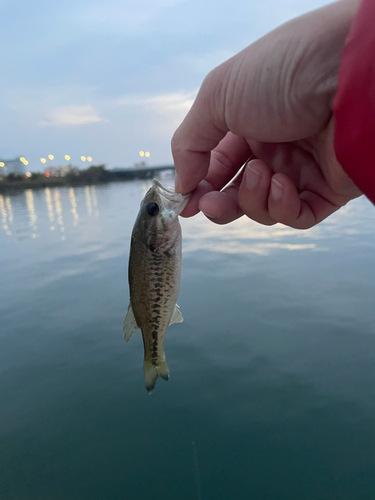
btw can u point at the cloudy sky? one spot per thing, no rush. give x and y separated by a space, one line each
109 78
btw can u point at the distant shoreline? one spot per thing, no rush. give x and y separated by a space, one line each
98 175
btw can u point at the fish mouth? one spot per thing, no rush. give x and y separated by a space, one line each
172 200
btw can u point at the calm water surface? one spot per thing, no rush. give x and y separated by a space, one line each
272 389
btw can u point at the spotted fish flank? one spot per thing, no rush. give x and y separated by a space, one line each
154 276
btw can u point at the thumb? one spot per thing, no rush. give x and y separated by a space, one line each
201 131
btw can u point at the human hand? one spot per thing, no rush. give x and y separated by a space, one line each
271 102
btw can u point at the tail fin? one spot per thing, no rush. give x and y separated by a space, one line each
153 371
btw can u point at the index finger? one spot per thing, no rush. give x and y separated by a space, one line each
200 132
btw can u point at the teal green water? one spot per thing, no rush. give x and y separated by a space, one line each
272 389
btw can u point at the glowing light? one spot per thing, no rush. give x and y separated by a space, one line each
58 209
51 215
31 209
89 158
25 162
2 164
74 206
51 157
4 216
88 200
67 157
141 153
147 154
83 158
43 160
47 174
9 207
22 159
94 200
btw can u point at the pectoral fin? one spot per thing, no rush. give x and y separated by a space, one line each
177 316
130 324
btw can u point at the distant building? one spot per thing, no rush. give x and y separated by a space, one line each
12 166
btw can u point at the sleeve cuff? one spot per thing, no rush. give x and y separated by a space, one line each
354 103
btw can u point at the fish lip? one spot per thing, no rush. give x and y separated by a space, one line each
174 201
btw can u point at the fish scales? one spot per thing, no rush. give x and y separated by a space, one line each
154 276
158 273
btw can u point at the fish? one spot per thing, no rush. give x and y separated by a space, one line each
155 264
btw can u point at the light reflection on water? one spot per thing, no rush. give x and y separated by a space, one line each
272 371
244 236
51 210
61 209
6 214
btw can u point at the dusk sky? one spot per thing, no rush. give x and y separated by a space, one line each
110 78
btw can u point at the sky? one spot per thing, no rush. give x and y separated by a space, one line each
110 78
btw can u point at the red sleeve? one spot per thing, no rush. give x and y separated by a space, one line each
354 104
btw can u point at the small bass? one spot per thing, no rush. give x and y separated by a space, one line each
154 276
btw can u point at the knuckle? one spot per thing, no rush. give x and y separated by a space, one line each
222 159
258 214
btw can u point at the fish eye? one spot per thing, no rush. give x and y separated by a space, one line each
152 208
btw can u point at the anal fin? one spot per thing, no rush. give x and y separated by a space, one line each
177 316
130 324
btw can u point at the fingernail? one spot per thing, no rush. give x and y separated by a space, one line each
277 189
208 215
252 176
